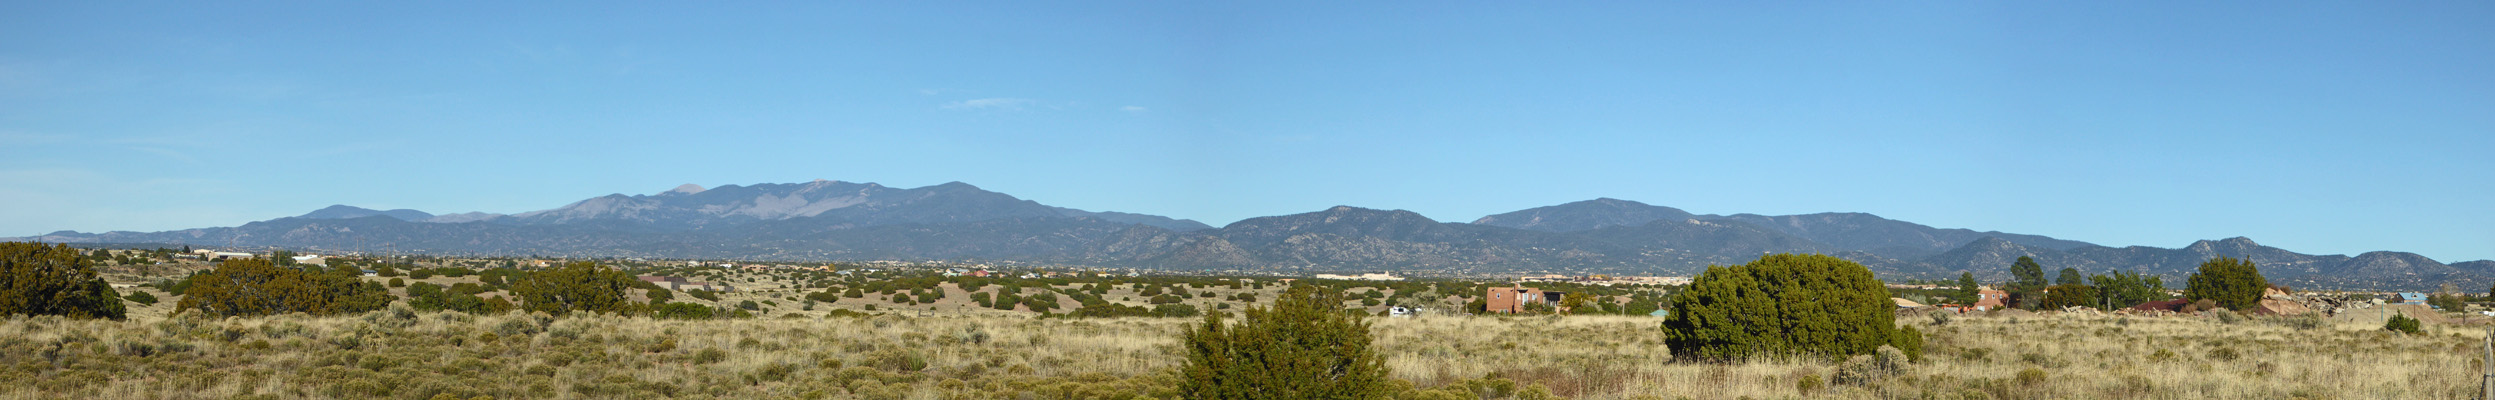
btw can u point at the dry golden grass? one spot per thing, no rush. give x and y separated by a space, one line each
401 354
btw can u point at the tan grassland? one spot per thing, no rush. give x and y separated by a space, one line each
410 355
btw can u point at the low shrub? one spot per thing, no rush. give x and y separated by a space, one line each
2030 377
2223 354
682 311
141 297
2225 316
709 355
1869 368
2402 323
522 326
1976 354
775 372
896 360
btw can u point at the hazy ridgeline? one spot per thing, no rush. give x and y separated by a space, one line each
404 354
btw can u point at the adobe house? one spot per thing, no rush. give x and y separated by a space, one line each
1509 300
1988 299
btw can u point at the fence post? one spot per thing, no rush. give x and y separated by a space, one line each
2486 378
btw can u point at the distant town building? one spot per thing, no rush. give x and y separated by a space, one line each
1376 276
1510 300
678 283
1988 299
1608 280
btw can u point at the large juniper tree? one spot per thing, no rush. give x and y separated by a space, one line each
1304 347
2233 282
53 280
1785 304
254 286
577 286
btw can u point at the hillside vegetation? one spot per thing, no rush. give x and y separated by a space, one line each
400 353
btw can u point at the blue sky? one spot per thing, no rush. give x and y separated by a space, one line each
2328 128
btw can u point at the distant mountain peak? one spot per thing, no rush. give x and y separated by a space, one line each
686 189
471 216
336 209
1356 211
1585 215
2238 243
342 211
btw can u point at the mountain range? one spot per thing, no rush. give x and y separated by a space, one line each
832 220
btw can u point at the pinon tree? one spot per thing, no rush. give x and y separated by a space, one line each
2064 296
576 286
2125 289
1304 347
53 280
2028 290
254 286
1785 304
2234 283
1968 291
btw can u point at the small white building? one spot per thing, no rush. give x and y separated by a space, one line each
1375 276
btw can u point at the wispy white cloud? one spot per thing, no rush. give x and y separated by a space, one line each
993 103
1132 109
